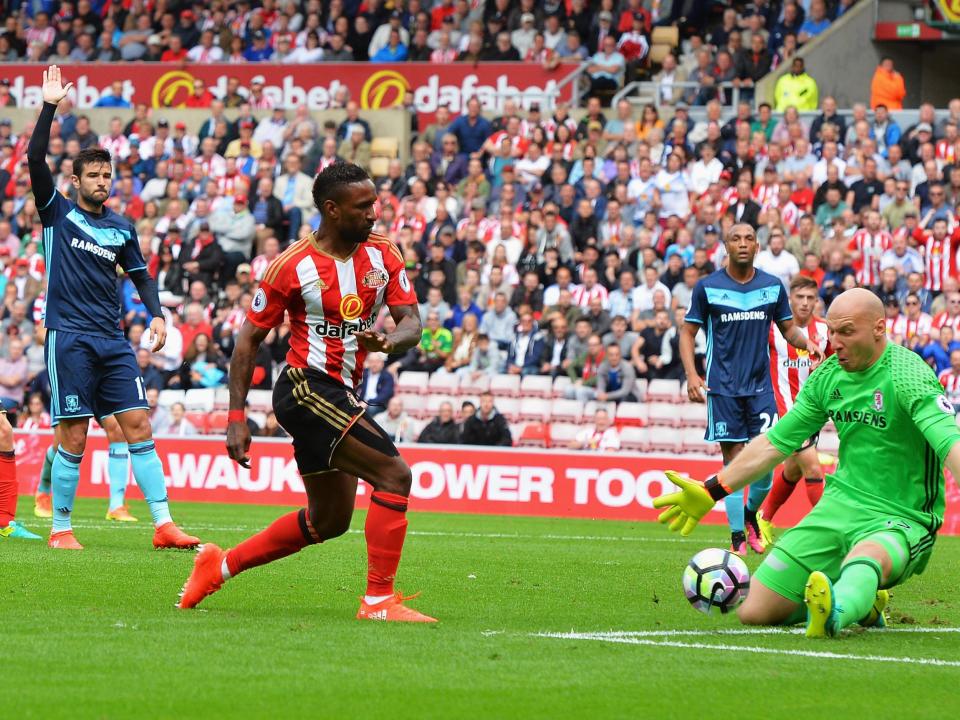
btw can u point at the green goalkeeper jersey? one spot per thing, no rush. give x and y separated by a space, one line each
896 428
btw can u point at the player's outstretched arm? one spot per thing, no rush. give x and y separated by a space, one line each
41 179
241 374
685 508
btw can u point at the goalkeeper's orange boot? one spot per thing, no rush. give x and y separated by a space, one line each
169 535
43 505
64 540
121 514
392 610
206 578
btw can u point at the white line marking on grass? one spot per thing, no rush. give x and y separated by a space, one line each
766 631
749 648
422 533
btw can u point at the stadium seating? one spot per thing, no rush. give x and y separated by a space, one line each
505 385
664 391
536 386
413 382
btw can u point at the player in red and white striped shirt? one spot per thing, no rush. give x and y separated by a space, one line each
866 247
789 369
332 285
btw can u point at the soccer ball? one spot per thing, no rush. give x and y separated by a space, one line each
716 578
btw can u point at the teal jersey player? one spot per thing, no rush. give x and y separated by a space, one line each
877 522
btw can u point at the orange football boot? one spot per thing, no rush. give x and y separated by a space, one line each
169 535
206 577
43 505
121 514
64 540
392 610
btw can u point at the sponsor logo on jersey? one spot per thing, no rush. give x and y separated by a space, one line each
743 315
375 279
878 401
796 363
351 306
71 403
92 247
863 417
259 303
325 328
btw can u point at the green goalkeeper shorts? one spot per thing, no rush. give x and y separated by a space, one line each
823 538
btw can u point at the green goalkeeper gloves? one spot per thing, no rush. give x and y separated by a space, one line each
686 507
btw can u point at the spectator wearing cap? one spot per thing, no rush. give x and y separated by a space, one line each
522 38
381 36
634 46
257 99
294 190
246 139
602 30
394 51
187 29
259 49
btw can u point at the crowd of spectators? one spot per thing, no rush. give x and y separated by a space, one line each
538 242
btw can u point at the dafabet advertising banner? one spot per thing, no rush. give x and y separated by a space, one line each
377 86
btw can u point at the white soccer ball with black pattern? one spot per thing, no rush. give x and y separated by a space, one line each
716 578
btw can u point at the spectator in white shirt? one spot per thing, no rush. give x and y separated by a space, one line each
776 260
602 436
644 293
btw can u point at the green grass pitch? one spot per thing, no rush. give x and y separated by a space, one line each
95 634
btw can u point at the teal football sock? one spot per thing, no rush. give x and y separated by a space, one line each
735 513
118 468
856 590
65 475
148 472
44 486
759 489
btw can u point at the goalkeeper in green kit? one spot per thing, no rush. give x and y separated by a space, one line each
877 522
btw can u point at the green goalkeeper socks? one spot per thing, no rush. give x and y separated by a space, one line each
856 590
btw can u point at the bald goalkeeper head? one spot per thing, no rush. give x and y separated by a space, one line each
857 329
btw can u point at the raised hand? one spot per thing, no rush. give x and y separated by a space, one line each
53 88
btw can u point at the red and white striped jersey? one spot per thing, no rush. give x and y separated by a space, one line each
789 216
939 257
328 300
518 142
870 249
946 151
944 318
790 367
581 296
891 323
907 329
766 196
951 385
